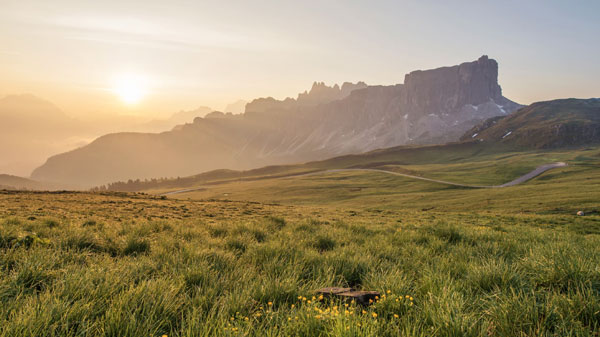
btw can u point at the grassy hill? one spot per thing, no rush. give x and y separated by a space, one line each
402 155
561 190
551 124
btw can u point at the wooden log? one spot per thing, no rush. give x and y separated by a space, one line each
349 294
361 297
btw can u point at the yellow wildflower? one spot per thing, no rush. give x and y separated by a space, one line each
396 316
374 315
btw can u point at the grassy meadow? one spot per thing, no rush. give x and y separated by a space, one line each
243 258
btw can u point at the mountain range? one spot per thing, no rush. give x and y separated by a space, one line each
33 129
431 106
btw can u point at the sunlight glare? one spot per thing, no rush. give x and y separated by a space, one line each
131 88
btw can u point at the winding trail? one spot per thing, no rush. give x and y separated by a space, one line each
536 172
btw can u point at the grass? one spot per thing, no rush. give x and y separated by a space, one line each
562 190
448 261
229 268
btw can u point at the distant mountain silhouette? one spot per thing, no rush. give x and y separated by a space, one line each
178 118
236 107
10 182
550 124
432 106
33 129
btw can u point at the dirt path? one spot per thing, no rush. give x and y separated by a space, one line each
536 172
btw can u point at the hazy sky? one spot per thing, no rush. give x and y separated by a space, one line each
91 57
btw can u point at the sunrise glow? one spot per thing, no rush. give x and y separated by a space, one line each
131 88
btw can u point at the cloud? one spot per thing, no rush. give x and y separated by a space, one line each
161 34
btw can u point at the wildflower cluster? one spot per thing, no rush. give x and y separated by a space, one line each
325 310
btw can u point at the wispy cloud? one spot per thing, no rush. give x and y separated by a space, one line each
159 33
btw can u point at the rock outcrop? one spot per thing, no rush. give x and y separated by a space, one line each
432 106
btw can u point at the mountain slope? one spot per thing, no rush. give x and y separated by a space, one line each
10 182
31 129
431 106
550 124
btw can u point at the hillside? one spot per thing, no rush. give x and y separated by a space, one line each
551 124
10 182
433 106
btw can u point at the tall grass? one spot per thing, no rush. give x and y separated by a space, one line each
255 274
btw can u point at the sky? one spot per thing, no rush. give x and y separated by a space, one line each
153 58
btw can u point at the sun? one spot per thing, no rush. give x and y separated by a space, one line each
131 88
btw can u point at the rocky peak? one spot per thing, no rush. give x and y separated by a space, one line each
449 88
319 93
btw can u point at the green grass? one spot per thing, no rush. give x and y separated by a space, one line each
562 190
244 257
227 268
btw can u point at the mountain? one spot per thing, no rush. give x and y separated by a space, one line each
432 106
236 107
31 129
178 118
10 182
551 124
